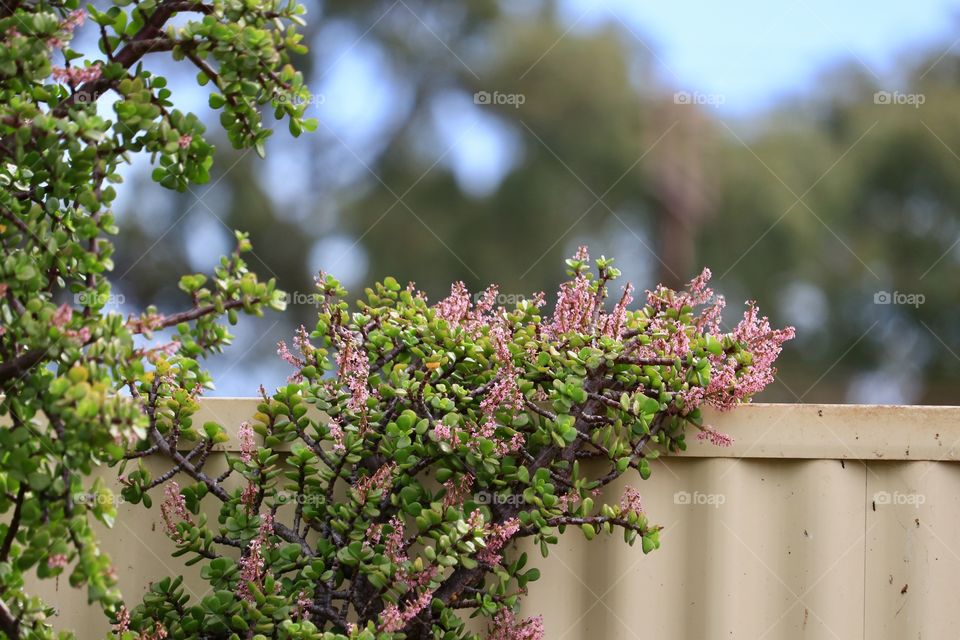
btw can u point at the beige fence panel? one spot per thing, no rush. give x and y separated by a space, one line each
821 522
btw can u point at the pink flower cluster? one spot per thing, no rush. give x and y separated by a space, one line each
612 325
503 394
497 535
62 317
715 437
457 491
252 564
576 303
302 609
381 480
454 308
57 561
75 76
765 344
73 20
444 433
394 618
355 370
336 432
248 446
506 627
696 294
459 311
123 620
174 509
631 501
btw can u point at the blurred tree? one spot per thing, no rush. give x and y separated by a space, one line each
811 209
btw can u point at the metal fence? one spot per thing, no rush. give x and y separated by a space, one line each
822 521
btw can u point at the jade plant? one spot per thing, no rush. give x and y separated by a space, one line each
381 493
70 118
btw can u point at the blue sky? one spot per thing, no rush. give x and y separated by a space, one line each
753 52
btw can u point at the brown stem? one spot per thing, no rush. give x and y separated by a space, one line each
8 623
14 524
21 364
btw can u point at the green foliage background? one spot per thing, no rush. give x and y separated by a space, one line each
683 187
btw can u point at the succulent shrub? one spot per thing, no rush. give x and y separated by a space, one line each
66 358
381 493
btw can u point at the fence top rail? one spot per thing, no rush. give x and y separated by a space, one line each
789 431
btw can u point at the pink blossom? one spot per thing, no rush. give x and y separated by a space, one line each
380 481
336 432
248 497
123 620
57 561
504 394
284 352
457 490
302 609
486 302
454 307
173 508
355 370
444 433
764 344
82 335
497 535
75 76
630 501
394 618
575 307
506 627
62 316
247 444
393 543
613 324
184 141
301 340
74 19
252 564
714 437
